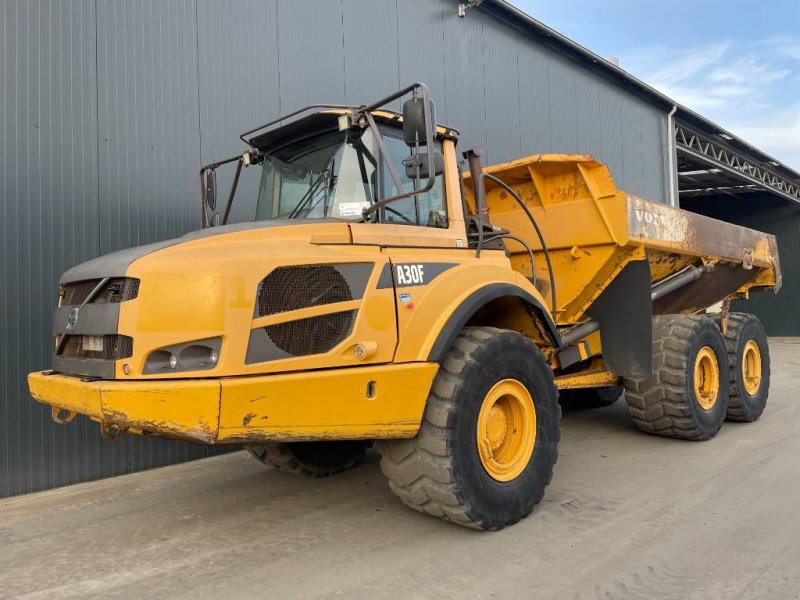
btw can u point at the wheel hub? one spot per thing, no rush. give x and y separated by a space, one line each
751 367
706 378
506 431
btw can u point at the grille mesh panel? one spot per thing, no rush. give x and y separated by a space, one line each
116 290
115 347
292 288
313 335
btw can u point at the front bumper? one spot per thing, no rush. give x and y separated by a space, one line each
371 402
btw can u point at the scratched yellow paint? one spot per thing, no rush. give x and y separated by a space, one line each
330 404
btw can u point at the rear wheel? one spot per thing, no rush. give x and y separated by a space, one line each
748 361
488 441
312 459
686 396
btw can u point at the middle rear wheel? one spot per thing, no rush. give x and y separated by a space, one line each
686 396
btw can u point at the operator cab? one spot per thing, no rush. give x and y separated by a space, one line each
362 165
315 169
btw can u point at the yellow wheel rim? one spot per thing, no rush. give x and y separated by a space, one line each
706 378
751 367
506 430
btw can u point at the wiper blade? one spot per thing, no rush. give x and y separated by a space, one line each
312 190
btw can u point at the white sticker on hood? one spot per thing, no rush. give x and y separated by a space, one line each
352 209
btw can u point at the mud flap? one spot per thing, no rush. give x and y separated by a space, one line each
624 311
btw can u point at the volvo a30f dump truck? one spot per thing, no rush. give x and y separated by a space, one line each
389 291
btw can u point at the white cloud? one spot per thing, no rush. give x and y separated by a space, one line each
784 46
748 89
777 134
687 64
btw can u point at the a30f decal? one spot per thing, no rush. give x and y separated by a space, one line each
410 274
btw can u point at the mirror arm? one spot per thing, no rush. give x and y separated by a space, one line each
429 133
203 201
233 191
428 187
213 166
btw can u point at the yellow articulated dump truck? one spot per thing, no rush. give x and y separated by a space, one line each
390 291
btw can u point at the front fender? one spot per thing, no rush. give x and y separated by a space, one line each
451 299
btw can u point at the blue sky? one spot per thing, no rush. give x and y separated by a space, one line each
736 62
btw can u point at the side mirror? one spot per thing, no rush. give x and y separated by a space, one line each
417 165
210 189
414 129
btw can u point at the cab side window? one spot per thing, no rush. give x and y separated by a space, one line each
428 209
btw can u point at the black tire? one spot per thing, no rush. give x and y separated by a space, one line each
312 459
581 399
665 403
743 328
439 472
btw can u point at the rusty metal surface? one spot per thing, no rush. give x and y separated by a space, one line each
664 228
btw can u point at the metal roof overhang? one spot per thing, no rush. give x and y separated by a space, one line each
711 160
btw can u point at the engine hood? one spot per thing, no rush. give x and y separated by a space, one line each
205 289
260 236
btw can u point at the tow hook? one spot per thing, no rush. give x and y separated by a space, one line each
62 416
111 431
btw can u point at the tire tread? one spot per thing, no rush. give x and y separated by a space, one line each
420 470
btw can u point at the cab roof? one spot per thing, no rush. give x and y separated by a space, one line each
323 121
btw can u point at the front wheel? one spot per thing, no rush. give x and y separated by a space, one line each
488 441
579 399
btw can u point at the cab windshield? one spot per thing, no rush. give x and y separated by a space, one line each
337 175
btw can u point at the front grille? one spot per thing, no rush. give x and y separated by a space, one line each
118 289
292 288
114 347
313 335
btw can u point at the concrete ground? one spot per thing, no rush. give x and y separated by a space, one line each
628 516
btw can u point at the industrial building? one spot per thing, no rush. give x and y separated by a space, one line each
110 108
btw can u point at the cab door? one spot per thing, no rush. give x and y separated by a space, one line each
433 219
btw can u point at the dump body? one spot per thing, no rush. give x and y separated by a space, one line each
593 230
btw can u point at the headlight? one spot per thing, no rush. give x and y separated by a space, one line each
200 355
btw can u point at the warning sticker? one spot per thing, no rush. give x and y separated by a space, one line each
352 209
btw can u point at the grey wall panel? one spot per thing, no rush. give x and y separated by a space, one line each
464 77
48 202
371 59
311 53
422 57
239 88
533 63
501 91
238 74
562 86
109 108
148 120
598 121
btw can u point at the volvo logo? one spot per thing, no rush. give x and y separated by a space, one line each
72 319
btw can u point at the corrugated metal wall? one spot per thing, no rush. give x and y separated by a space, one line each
108 109
781 218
